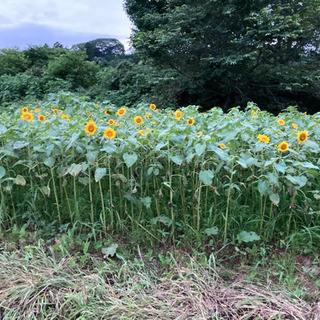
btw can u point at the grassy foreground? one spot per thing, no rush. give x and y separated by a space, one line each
40 282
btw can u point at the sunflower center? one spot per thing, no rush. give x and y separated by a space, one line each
91 128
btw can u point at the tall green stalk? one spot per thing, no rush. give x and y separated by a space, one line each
56 196
110 191
228 206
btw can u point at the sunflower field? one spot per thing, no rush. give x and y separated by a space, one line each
246 174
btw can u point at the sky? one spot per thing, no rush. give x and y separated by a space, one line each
36 22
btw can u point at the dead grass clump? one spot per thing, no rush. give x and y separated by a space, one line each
37 285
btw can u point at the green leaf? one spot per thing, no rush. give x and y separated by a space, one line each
274 197
3 129
273 178
211 231
177 159
20 144
2 172
223 155
92 156
109 251
245 236
309 165
146 202
311 146
246 160
263 187
190 157
100 173
200 148
75 169
109 148
49 162
206 177
161 145
72 140
297 180
46 190
20 180
84 180
281 166
163 219
130 159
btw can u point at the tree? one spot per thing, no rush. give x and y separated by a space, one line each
101 50
73 67
40 56
229 52
12 61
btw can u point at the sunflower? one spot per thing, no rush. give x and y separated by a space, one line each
121 112
200 133
65 117
138 120
117 124
41 117
253 117
142 132
263 138
281 122
147 115
109 133
107 111
222 145
190 121
90 128
302 136
111 122
55 111
27 116
255 111
283 146
148 129
25 110
37 110
153 107
178 114
294 126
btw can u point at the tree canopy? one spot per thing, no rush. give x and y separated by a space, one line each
230 52
101 50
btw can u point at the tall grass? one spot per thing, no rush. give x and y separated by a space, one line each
40 283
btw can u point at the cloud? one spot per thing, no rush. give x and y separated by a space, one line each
80 16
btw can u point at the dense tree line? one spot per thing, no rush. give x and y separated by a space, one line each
95 68
228 52
205 52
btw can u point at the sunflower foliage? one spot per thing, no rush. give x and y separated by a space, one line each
68 160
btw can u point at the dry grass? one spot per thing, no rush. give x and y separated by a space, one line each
35 284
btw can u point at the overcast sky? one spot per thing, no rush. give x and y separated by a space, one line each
36 22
